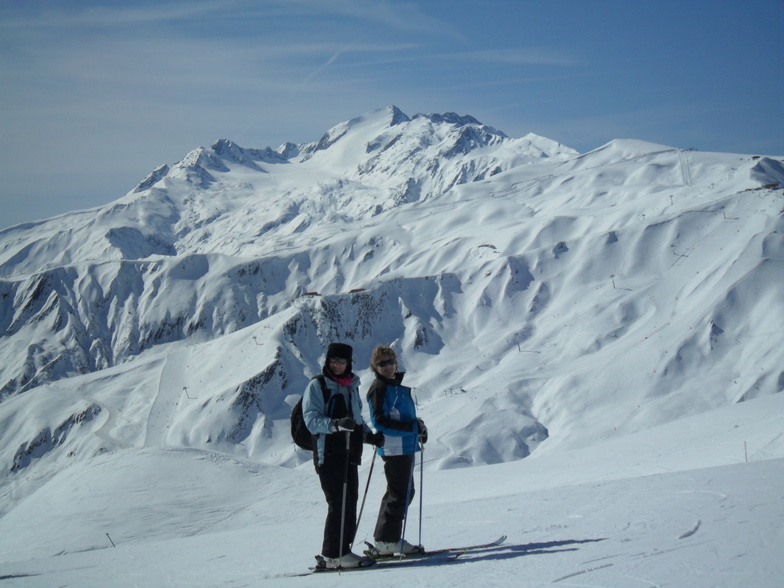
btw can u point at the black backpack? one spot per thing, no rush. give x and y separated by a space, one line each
302 437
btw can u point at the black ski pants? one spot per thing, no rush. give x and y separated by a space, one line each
332 474
399 472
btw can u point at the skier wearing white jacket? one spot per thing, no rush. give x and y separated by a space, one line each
340 431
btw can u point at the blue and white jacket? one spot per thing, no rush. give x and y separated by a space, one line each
318 417
393 412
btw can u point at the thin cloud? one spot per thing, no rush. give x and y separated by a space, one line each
362 49
398 16
521 80
416 52
523 56
64 17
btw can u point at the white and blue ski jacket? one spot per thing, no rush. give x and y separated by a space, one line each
318 417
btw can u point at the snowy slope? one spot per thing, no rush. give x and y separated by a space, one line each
675 506
625 302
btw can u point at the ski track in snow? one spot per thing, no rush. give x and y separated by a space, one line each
685 167
170 389
691 531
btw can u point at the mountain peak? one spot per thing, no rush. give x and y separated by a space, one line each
398 116
156 176
371 123
230 151
450 118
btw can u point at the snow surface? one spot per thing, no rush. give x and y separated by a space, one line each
595 342
677 505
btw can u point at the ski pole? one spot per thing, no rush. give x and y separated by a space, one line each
362 506
421 480
345 492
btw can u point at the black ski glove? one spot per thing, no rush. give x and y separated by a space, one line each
344 424
422 431
375 439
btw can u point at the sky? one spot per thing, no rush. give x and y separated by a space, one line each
95 95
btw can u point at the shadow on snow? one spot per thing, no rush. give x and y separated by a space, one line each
500 552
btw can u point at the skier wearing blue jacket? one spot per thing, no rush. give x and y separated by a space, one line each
393 413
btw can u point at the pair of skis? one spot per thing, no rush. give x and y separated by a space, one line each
391 560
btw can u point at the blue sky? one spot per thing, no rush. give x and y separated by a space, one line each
95 95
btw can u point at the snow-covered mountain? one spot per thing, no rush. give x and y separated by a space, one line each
229 237
542 300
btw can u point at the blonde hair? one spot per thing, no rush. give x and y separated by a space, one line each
379 352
